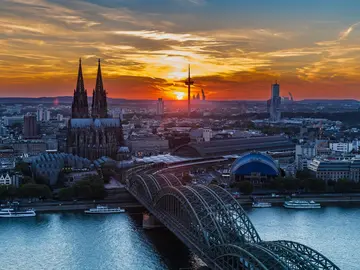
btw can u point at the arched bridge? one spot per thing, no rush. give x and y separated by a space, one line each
215 227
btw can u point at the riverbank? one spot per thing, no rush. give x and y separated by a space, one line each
124 200
325 199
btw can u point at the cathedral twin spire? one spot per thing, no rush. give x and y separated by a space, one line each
80 108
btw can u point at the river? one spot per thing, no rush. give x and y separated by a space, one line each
74 241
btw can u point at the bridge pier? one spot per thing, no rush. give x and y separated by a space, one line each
151 222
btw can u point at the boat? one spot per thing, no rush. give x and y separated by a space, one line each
104 210
12 213
302 205
261 204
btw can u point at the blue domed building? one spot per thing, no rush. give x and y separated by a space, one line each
255 167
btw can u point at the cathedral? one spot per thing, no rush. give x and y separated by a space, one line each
93 135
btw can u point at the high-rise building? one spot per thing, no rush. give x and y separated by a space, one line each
160 107
40 114
30 127
59 117
274 103
47 115
122 112
99 135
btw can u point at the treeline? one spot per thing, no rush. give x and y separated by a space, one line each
90 188
25 191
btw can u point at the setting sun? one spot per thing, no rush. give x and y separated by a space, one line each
179 95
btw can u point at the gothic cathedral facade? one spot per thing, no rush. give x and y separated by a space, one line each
93 135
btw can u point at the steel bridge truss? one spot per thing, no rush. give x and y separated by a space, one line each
215 227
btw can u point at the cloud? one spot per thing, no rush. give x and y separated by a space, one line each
158 35
347 32
146 49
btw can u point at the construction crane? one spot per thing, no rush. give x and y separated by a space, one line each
291 97
203 94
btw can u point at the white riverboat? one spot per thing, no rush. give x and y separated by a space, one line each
261 205
104 210
12 213
302 205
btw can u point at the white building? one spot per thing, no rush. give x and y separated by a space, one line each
122 112
40 114
334 169
59 117
304 154
160 107
47 115
207 134
342 147
7 180
43 115
11 120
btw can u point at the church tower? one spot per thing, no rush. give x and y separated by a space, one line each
79 106
99 102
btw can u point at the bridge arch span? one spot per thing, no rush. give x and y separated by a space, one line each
179 215
235 257
237 214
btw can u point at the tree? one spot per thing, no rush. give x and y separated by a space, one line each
291 183
186 178
66 194
28 180
34 191
42 180
23 168
303 175
344 185
214 182
245 187
7 192
91 187
315 185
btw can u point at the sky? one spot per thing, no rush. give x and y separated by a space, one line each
236 48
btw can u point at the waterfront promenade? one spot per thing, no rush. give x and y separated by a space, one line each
125 200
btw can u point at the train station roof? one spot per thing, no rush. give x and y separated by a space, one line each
233 146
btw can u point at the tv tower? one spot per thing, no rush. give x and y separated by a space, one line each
189 82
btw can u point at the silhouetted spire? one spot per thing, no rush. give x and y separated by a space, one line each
80 104
80 80
99 82
99 105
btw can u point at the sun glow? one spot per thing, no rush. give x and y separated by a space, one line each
179 95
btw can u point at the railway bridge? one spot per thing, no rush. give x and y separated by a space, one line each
214 225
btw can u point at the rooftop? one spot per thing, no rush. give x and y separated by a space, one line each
235 146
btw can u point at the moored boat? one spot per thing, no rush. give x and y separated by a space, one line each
104 210
12 213
261 205
302 205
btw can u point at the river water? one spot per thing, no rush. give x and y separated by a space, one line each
74 241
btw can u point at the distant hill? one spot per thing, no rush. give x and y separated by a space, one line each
328 101
50 100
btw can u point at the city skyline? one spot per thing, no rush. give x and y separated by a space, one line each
309 47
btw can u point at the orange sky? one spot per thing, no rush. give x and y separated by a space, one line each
236 49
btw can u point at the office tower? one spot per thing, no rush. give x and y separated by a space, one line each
274 103
47 115
160 107
40 114
30 126
59 117
122 112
